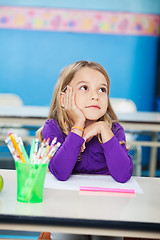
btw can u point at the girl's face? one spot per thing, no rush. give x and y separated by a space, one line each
90 89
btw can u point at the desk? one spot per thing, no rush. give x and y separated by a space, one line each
25 115
148 122
69 211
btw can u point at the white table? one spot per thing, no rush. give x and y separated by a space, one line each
133 121
25 115
69 211
147 122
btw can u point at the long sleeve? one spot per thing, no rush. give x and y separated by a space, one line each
117 156
63 162
106 158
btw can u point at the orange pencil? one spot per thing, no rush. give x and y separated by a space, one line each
16 147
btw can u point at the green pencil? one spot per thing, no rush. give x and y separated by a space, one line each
32 151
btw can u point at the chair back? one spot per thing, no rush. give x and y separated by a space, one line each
122 105
10 100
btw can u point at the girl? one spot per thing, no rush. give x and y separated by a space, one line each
82 119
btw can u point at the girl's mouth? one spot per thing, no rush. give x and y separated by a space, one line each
93 106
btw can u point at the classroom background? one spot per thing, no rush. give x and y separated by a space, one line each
39 38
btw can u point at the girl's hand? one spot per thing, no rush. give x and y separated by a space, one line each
97 128
39 134
72 110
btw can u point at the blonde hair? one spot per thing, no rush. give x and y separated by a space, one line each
58 113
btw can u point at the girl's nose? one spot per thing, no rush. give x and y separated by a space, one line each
94 96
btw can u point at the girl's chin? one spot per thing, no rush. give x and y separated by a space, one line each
91 119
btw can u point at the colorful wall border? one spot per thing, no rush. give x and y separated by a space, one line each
79 21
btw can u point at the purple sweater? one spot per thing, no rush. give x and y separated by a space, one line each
109 158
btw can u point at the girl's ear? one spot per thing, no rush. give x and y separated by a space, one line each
62 99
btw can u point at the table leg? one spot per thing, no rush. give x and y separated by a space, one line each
153 156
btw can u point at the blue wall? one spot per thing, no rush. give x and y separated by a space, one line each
30 61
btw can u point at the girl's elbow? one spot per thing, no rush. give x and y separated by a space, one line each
124 177
127 172
61 176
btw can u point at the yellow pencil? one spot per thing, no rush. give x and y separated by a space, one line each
16 147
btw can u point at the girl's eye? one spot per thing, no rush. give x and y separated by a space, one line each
64 90
84 87
102 90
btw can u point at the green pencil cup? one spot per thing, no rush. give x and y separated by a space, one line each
30 182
